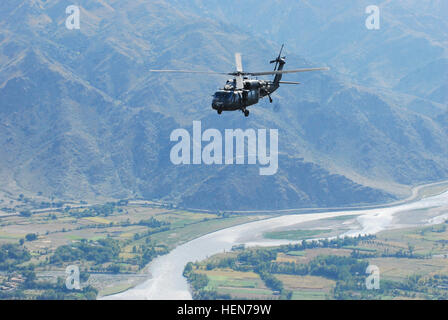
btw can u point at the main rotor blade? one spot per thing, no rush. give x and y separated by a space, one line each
289 82
238 62
284 71
190 71
241 73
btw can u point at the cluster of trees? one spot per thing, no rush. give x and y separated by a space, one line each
257 260
415 286
100 251
145 234
145 253
31 237
153 223
105 210
257 257
199 282
337 267
210 295
25 213
57 293
11 255
108 250
262 261
45 204
271 282
326 243
48 290
346 270
11 258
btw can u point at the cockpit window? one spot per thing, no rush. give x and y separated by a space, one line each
223 96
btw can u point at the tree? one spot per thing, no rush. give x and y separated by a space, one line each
25 213
411 249
31 237
114 268
188 268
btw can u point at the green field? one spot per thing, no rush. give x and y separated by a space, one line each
236 284
296 253
295 234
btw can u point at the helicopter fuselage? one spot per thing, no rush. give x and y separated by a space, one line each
231 99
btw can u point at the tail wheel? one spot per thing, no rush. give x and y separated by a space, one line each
246 113
219 111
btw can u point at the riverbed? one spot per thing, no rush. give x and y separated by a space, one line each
167 283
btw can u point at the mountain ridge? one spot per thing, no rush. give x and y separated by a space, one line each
94 123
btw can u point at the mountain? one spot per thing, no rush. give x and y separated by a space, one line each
412 36
82 118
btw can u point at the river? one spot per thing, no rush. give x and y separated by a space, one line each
167 282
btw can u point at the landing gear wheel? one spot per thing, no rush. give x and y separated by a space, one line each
219 111
246 113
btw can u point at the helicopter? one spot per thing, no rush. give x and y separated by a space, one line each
242 91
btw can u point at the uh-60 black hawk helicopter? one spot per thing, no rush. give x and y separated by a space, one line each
241 91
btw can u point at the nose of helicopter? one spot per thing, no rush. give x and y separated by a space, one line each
216 104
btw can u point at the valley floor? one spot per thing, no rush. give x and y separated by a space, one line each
412 264
114 243
167 280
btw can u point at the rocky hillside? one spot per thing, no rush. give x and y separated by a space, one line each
81 116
